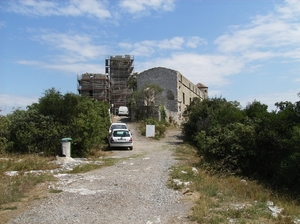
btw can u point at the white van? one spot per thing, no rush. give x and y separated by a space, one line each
123 111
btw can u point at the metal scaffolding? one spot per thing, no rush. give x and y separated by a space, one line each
93 85
119 68
110 87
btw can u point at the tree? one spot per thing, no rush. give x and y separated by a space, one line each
253 142
32 132
89 126
132 81
149 98
4 131
55 116
201 115
51 104
256 109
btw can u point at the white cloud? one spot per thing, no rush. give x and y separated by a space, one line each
269 36
135 6
194 42
92 8
73 68
75 53
9 103
258 55
271 98
272 35
75 47
144 48
291 10
125 45
174 43
31 63
149 47
77 68
210 70
275 35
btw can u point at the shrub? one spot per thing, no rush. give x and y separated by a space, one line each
251 141
160 127
40 128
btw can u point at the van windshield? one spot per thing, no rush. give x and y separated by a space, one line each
118 126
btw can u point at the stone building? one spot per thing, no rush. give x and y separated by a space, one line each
94 85
110 87
178 91
119 68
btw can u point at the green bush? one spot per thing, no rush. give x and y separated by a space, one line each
288 172
40 128
160 127
232 146
4 131
251 141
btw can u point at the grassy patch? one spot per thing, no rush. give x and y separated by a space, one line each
14 188
227 199
10 208
84 168
26 163
55 191
96 153
111 161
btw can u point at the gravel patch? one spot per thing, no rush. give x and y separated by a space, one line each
132 191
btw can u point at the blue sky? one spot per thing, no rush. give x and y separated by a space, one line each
243 50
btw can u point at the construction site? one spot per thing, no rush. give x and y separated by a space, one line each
94 86
110 87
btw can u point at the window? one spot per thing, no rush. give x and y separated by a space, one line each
183 98
121 134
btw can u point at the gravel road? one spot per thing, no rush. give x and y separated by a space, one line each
132 191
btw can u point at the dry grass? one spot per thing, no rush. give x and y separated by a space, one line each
227 199
23 163
17 191
14 187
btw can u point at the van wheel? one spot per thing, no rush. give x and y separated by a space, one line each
130 148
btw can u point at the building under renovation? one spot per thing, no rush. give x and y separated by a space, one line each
93 85
111 86
119 69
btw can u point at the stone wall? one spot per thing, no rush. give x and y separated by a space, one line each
178 91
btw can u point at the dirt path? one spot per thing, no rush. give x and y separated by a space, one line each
132 191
